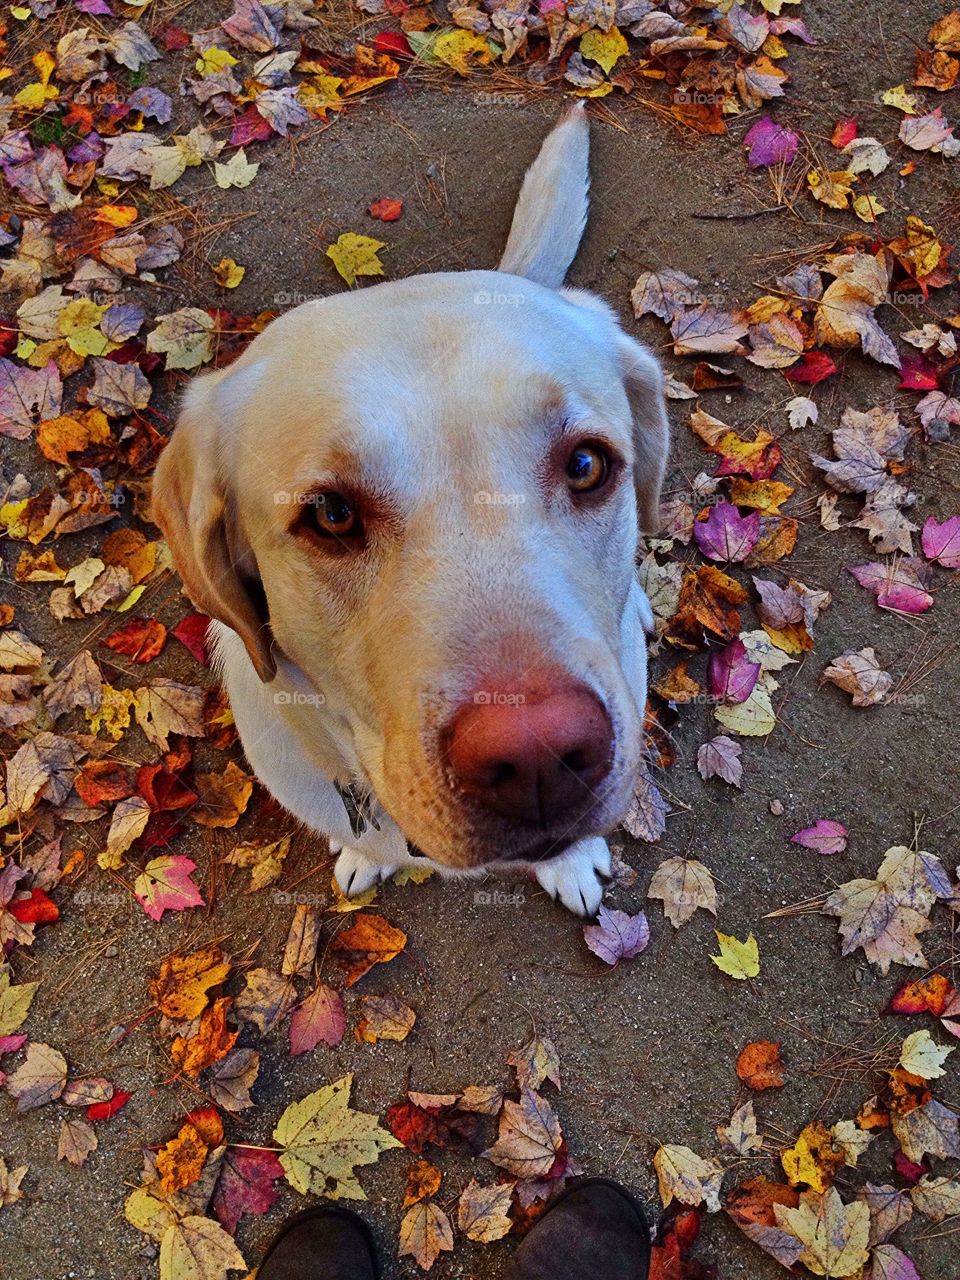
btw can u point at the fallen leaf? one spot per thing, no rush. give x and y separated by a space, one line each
834 1234
684 885
858 672
528 1137
742 1133
687 1177
370 940
482 1212
617 936
196 1248
384 1018
77 1140
825 837
922 1056
721 757
759 1065
324 1140
536 1062
737 959
425 1233
40 1078
165 884
354 255
245 1185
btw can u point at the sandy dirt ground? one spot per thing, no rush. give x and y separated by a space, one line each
647 1049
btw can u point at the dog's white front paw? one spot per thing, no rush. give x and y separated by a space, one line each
354 873
576 877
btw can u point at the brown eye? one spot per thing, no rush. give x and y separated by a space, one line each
587 468
332 516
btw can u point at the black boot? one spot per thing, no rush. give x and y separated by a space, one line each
323 1243
595 1230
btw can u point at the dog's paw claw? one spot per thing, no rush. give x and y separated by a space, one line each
355 874
575 878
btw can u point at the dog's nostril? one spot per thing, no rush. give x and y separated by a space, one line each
577 761
502 772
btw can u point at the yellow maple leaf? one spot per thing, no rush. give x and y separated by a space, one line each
228 273
79 322
900 97
813 1159
868 208
321 94
604 47
832 188
461 50
324 1139
355 255
36 95
213 60
113 716
737 959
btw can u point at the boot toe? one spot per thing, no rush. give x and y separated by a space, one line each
595 1231
323 1243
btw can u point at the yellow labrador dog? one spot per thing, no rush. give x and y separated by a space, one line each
413 512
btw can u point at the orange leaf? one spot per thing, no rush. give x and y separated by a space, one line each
180 1162
141 639
370 940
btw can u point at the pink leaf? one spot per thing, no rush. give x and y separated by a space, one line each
887 1262
941 541
726 534
245 1185
898 586
825 836
321 1016
165 885
730 673
617 936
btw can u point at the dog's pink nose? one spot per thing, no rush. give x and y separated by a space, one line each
531 755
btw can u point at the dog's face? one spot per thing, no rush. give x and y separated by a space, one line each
436 484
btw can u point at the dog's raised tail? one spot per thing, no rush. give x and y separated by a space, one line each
551 210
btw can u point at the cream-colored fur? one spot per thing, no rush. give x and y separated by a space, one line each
440 397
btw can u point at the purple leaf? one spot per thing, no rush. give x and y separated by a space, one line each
890 1263
941 541
151 102
730 673
27 397
10 1044
898 586
770 143
617 936
245 1184
721 758
825 836
726 534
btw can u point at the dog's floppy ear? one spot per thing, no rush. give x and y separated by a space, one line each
193 506
643 379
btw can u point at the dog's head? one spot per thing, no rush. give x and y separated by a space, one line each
426 495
